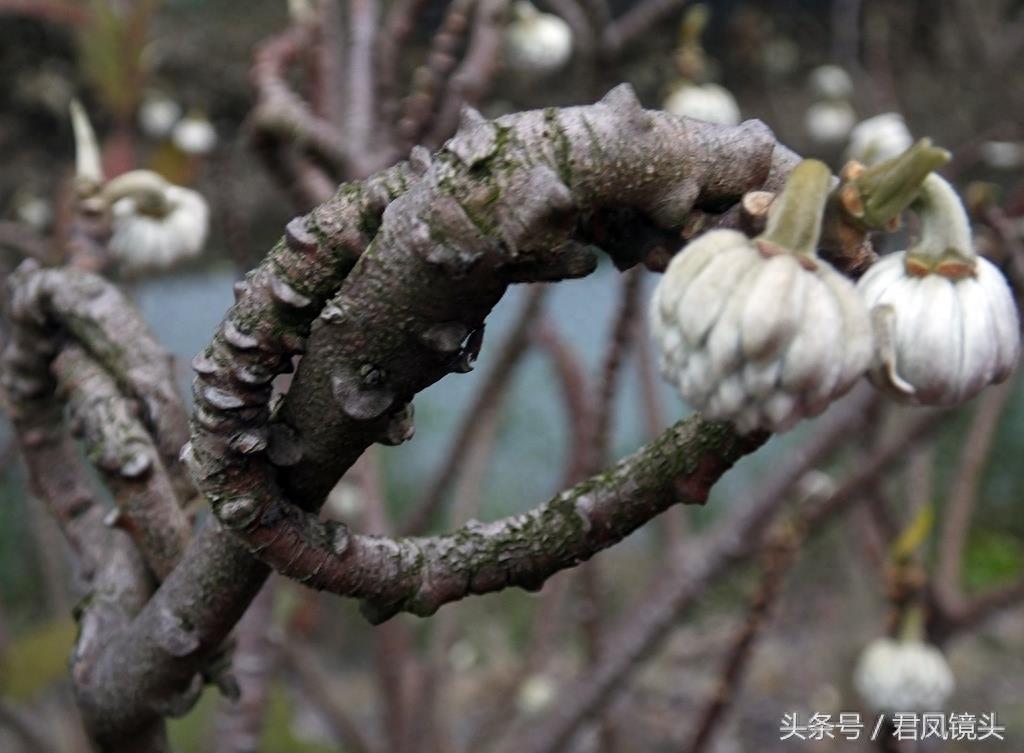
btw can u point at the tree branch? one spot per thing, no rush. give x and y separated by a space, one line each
118 445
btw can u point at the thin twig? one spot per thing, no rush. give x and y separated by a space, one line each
318 686
24 729
636 22
240 722
494 385
361 104
777 557
470 81
430 78
974 454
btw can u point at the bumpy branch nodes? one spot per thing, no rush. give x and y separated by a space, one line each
499 203
121 448
48 305
269 324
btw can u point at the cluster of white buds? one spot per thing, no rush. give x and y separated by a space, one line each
945 320
879 138
763 332
708 102
536 43
160 117
154 224
830 118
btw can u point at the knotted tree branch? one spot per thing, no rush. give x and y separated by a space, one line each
500 204
503 202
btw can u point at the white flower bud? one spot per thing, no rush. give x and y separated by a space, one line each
34 211
1002 155
903 676
536 693
945 319
194 134
830 82
709 102
879 138
157 115
762 332
537 42
154 224
829 122
754 338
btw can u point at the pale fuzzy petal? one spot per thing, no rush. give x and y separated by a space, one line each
814 359
883 273
723 343
858 337
700 377
141 242
781 411
731 394
707 294
761 377
749 419
1004 317
686 264
980 352
773 307
884 372
928 340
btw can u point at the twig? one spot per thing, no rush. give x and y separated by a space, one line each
279 110
21 239
240 722
620 340
974 454
361 105
469 82
637 21
393 38
318 686
447 626
777 557
487 398
327 85
24 729
101 319
429 78
121 449
572 383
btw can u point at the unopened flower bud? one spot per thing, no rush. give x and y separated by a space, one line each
154 224
830 82
945 319
157 115
903 676
194 134
879 138
762 332
829 122
537 42
709 102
